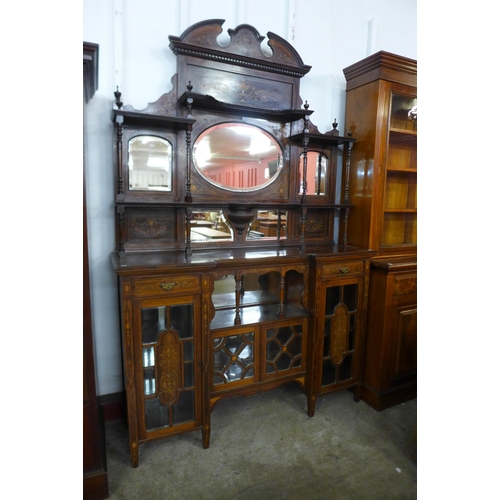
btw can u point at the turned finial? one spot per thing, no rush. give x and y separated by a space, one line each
118 95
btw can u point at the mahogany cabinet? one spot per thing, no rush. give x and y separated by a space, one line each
233 272
390 371
381 112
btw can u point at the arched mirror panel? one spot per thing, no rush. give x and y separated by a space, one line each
237 157
149 164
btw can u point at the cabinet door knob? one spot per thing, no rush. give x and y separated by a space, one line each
167 286
344 270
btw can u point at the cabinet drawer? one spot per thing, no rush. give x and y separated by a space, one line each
165 285
344 268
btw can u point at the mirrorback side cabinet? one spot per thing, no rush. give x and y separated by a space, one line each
381 111
233 274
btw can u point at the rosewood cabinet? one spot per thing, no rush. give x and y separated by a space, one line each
381 111
233 275
339 314
161 318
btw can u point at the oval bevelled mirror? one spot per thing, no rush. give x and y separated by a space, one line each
237 157
149 163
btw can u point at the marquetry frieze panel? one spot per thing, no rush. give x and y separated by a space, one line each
151 225
344 268
244 90
316 224
162 285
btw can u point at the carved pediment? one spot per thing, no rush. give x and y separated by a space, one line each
244 47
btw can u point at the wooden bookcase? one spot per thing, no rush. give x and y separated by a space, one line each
381 113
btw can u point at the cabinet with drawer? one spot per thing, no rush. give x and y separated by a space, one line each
338 335
390 367
162 353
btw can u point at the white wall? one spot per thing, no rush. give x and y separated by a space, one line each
134 54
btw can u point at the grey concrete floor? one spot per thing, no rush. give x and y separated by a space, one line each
265 447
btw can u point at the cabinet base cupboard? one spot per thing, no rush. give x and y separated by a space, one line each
237 324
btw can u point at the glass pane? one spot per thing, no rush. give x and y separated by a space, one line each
148 356
149 382
352 331
233 358
273 349
233 343
295 346
404 112
183 410
345 369
332 299
221 358
188 351
157 415
329 373
188 375
351 297
326 343
234 372
181 320
153 322
150 164
284 362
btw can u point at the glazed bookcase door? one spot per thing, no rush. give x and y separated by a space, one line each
340 333
399 218
168 365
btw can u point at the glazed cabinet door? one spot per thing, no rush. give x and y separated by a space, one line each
163 369
169 364
340 330
399 208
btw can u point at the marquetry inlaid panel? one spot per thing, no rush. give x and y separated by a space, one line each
170 367
339 334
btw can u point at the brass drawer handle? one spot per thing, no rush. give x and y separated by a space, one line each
344 270
167 286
